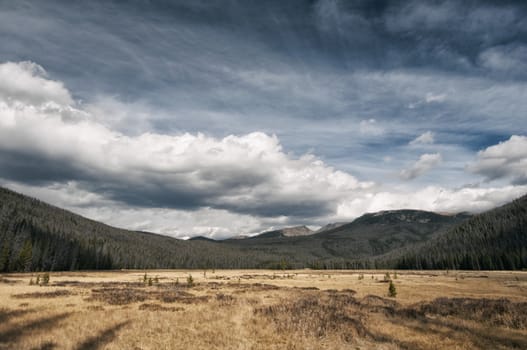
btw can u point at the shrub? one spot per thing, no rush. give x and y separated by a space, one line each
190 281
387 276
45 279
392 292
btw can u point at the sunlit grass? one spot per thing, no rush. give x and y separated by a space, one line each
241 309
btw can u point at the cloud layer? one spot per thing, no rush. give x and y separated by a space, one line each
245 174
220 117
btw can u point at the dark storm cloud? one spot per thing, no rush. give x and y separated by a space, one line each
141 189
188 58
260 65
33 169
143 47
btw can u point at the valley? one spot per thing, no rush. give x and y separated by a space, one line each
35 236
264 309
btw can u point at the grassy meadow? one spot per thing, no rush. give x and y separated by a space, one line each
260 309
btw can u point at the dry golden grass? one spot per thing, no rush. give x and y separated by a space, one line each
255 309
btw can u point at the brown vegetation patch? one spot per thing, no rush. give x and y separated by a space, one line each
495 312
214 285
51 294
67 283
225 299
173 296
317 314
194 300
8 281
220 277
95 308
158 307
256 287
268 277
374 303
119 296
124 296
89 285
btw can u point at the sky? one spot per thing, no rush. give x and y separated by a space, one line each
218 118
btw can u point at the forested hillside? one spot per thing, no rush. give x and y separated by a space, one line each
35 236
495 240
353 245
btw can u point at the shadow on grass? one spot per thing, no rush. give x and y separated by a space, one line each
471 322
6 314
480 336
101 339
486 338
46 346
17 331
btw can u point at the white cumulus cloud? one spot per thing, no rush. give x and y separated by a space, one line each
432 198
423 139
28 82
242 173
506 160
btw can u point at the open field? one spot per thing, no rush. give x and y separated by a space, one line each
257 309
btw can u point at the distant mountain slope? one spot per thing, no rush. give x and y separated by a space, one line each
296 231
36 236
496 239
330 226
353 244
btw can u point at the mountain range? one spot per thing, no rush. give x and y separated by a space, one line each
35 236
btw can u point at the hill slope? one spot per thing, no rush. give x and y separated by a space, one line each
36 236
494 240
352 245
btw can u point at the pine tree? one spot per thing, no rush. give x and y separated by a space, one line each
4 258
25 257
392 292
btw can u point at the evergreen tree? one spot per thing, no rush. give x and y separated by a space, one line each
25 256
392 292
4 257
